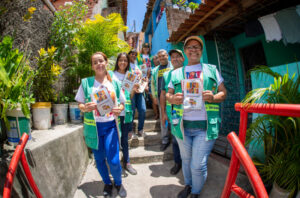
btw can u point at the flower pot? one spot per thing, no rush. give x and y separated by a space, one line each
75 114
188 9
181 8
60 112
19 124
175 6
278 192
41 112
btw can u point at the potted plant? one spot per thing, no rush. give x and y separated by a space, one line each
43 88
60 109
75 114
193 6
15 86
279 135
187 8
174 2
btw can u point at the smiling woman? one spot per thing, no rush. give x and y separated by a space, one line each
101 131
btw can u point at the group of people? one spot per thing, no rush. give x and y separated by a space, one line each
194 133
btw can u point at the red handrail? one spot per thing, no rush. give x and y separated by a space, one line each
240 154
19 154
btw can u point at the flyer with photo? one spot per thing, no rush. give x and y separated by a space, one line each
143 84
192 92
144 69
103 100
129 81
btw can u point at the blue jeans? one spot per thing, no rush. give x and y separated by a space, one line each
108 150
138 101
194 150
176 151
124 139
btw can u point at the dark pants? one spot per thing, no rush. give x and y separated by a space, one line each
176 151
124 139
138 101
108 149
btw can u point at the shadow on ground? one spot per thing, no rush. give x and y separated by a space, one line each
165 191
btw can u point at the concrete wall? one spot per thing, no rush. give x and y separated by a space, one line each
57 159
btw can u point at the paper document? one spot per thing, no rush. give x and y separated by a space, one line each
103 100
129 81
192 93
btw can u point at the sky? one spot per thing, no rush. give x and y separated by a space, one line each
136 11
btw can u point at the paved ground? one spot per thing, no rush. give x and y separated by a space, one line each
154 181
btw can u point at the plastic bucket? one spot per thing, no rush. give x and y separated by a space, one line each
19 124
41 115
60 112
75 114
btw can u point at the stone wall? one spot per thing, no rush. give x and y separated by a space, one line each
33 33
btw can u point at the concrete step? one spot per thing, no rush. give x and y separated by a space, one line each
150 139
149 125
149 154
149 114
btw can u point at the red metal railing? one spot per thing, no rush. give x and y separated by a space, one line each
240 155
17 156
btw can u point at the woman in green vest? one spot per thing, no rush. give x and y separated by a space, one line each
121 67
100 132
196 129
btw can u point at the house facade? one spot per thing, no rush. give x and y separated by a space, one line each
238 35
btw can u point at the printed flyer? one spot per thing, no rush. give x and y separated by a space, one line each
143 84
103 99
192 92
144 69
129 81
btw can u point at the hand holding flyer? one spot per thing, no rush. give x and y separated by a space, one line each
192 91
103 100
144 69
143 84
129 81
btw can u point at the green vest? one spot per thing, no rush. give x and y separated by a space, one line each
128 107
90 129
139 59
212 109
167 77
154 80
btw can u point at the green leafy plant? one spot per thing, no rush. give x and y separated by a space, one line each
62 98
66 24
193 6
96 35
174 1
278 134
47 75
15 80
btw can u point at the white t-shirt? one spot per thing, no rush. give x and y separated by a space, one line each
120 77
81 99
132 65
194 71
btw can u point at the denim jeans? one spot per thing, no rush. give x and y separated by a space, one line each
176 151
138 101
124 139
108 150
194 150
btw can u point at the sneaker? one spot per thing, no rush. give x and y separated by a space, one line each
134 136
164 146
130 169
185 192
141 133
107 191
176 168
121 190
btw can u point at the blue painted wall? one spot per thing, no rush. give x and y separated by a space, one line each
160 37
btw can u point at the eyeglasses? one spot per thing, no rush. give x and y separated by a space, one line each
195 47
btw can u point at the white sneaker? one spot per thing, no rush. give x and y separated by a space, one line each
141 133
134 136
130 135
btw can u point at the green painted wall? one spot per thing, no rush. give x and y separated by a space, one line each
211 52
276 53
